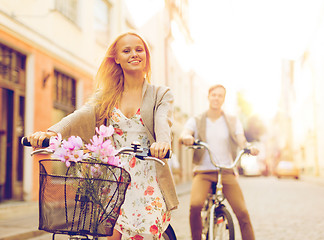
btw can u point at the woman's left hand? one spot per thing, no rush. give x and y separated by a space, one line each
159 149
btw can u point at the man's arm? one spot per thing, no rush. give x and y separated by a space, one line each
242 143
187 137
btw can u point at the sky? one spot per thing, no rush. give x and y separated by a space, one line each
241 43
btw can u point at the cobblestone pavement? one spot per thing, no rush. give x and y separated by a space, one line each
280 209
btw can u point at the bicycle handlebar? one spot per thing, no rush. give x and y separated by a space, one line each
136 149
198 144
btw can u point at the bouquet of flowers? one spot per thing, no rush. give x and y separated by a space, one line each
101 149
94 183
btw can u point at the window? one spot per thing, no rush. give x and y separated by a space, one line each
12 66
68 8
64 94
102 21
64 103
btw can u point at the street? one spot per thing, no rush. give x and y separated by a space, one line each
280 209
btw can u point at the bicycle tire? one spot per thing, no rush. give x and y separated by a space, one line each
205 217
223 228
169 234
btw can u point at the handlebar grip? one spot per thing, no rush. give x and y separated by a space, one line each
247 150
168 154
25 142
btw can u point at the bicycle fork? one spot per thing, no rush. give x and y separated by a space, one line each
219 198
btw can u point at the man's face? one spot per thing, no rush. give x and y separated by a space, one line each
216 98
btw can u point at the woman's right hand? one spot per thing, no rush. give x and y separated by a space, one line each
36 139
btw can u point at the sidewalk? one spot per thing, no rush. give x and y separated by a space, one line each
19 220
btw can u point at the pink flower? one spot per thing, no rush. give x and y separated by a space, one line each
114 161
63 155
104 131
69 151
108 149
101 148
96 142
95 171
77 155
55 142
72 143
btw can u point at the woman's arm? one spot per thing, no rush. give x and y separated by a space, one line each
81 122
163 120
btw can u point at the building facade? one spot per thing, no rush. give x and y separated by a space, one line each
303 105
49 53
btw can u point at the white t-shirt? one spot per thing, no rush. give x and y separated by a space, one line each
218 139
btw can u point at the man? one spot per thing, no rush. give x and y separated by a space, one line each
224 135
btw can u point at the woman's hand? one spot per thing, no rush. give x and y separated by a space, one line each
36 139
159 149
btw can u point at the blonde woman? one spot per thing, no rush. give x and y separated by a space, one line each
138 111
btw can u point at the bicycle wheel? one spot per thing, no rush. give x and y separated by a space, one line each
169 234
205 218
223 226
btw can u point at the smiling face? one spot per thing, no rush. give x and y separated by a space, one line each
131 54
216 98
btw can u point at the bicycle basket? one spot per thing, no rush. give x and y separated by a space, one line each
84 200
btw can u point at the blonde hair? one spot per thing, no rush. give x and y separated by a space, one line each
110 80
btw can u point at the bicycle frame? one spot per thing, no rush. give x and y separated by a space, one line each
218 197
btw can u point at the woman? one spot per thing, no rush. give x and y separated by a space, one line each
140 112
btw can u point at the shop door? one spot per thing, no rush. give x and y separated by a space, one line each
12 115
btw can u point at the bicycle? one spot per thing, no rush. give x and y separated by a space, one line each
217 221
78 226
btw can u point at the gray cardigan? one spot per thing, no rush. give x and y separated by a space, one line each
156 112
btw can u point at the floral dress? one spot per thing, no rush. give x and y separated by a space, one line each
143 215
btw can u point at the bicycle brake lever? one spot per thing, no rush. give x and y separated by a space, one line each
247 150
43 151
141 155
195 147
